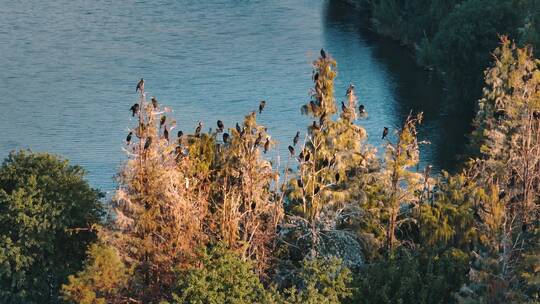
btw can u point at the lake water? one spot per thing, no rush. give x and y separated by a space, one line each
68 71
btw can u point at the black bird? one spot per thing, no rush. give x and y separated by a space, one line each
306 156
134 109
220 126
361 109
140 85
291 150
162 121
166 133
267 145
296 138
323 54
343 107
261 106
316 77
350 89
384 132
225 137
337 177
238 129
179 135
154 103
128 138
258 140
148 143
198 129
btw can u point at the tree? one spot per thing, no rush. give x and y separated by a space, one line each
47 211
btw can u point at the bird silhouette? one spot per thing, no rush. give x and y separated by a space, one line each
179 135
361 109
261 106
316 77
128 138
267 145
166 133
140 86
296 138
162 121
220 126
148 143
198 129
385 132
350 89
225 137
238 129
258 140
134 109
343 107
154 103
323 54
291 150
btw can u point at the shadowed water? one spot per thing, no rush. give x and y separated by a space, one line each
68 71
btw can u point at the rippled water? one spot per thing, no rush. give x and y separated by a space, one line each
68 70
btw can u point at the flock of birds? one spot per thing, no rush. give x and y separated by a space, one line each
135 109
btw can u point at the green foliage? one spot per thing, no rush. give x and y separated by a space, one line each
46 212
104 275
222 278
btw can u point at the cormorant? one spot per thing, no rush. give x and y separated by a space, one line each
238 129
267 145
361 109
180 134
198 129
166 133
220 126
162 121
350 89
291 150
323 54
258 140
343 107
316 77
148 143
296 138
154 102
140 85
134 109
385 132
261 106
225 137
128 138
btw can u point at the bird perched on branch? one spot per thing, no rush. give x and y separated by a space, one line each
128 138
323 54
220 126
148 143
140 86
225 137
198 129
384 132
166 133
296 138
261 106
134 109
267 145
291 150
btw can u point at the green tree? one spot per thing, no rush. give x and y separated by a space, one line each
47 211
